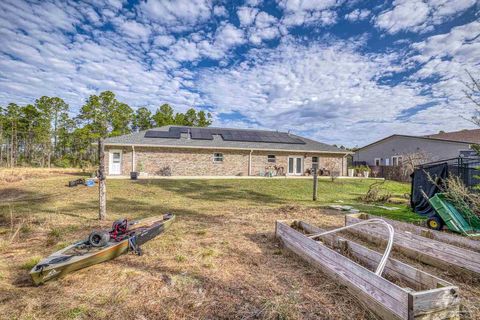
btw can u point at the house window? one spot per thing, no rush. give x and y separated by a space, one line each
377 161
396 160
315 162
271 158
218 157
387 161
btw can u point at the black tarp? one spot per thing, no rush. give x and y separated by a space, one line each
421 181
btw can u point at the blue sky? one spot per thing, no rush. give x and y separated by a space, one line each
344 72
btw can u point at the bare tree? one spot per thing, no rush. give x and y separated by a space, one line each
411 160
472 92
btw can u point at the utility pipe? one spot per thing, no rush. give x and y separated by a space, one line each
344 164
133 158
391 232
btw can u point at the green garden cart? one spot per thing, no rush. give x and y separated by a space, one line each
464 222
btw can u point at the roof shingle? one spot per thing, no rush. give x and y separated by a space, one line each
138 139
471 136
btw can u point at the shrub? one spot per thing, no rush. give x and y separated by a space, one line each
376 193
63 163
461 197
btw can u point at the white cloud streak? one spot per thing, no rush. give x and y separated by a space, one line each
419 15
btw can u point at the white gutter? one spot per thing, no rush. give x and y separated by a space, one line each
133 158
228 148
343 159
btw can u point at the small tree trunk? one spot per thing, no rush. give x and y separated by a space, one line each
102 188
12 151
55 136
315 184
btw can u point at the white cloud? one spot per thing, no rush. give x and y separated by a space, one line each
264 28
246 15
134 29
418 15
49 62
179 14
456 44
259 24
406 14
264 20
442 9
322 18
164 40
306 5
328 87
229 36
185 50
216 46
332 85
308 12
357 15
220 11
447 56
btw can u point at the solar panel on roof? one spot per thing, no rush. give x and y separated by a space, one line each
227 135
157 134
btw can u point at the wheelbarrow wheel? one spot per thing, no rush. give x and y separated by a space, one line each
435 223
98 238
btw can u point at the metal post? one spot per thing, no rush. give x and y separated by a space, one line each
315 184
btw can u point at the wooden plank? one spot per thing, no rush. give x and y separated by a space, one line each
435 300
414 278
378 294
450 313
446 237
429 251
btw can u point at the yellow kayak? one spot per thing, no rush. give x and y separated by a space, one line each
92 251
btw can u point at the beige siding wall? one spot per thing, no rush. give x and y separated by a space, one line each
199 162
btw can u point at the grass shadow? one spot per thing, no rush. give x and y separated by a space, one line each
202 190
134 209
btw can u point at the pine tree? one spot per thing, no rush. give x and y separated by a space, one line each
204 119
164 116
142 120
106 116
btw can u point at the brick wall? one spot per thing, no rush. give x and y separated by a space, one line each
199 162
330 162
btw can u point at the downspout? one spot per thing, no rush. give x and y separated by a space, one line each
133 158
250 163
343 164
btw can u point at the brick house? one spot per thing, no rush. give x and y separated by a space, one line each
191 151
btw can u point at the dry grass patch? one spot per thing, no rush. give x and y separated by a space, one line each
219 260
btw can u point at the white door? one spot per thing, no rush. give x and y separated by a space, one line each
295 166
115 162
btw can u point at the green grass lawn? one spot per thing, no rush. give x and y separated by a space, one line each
126 197
277 192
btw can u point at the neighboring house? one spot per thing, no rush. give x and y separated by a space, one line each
472 136
191 151
395 149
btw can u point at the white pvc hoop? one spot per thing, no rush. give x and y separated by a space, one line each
391 232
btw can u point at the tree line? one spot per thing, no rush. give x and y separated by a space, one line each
43 134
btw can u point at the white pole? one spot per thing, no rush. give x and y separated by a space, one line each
133 158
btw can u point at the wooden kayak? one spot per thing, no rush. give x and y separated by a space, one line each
81 254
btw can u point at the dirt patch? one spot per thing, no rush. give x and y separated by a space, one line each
21 174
